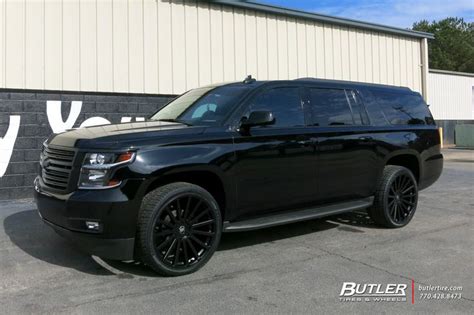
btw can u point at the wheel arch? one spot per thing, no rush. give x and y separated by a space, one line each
207 177
406 158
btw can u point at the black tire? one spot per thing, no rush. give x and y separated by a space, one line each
396 197
179 229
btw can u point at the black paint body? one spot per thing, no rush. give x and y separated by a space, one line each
266 170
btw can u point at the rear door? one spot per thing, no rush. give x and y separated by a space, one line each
346 154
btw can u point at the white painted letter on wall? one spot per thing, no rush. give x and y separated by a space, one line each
7 143
53 111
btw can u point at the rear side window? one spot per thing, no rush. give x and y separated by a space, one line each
284 103
403 109
331 107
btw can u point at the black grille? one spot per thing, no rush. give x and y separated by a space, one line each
57 167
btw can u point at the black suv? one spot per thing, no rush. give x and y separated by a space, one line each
237 157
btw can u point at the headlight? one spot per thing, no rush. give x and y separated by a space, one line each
100 158
98 168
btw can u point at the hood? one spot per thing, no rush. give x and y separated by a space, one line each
123 134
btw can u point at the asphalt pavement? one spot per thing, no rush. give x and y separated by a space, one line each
298 268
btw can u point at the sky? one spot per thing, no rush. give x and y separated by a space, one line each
401 13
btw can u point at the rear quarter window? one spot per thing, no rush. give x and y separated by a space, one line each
399 109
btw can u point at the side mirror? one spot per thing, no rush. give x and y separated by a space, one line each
258 118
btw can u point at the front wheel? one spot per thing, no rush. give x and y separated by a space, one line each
179 228
396 197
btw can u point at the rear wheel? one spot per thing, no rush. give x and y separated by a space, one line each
179 228
396 197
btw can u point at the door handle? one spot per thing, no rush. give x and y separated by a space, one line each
365 139
305 142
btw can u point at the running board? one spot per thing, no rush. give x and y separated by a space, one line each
297 215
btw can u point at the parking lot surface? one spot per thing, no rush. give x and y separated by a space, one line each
299 268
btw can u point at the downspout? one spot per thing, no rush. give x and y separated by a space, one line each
424 69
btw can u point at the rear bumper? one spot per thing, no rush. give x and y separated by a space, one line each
432 169
112 209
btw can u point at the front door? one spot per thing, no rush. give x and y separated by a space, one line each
275 165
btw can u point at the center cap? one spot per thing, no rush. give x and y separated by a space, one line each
182 229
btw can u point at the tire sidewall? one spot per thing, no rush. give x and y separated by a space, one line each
158 208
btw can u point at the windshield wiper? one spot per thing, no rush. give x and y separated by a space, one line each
176 121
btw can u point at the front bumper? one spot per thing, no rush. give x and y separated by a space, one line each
114 210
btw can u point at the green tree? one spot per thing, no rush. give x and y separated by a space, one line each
453 46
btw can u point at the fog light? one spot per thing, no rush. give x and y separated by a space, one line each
93 226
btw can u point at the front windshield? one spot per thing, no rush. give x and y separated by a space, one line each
203 106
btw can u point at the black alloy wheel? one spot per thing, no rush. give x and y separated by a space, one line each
180 228
401 198
184 231
396 197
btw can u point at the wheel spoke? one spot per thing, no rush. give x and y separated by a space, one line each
194 209
163 244
200 243
178 209
200 215
167 224
203 233
397 184
163 233
185 253
402 182
390 208
168 252
403 209
171 215
395 216
193 249
406 183
408 189
176 253
207 222
186 209
392 190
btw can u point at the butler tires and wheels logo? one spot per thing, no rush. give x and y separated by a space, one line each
373 292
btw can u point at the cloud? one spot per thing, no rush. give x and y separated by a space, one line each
401 13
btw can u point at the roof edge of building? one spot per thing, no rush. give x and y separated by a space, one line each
462 74
252 5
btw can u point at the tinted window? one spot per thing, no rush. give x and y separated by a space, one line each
330 107
284 103
203 106
356 107
403 109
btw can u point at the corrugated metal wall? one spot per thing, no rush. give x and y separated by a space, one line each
451 96
155 46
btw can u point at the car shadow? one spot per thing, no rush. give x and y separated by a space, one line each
353 221
26 230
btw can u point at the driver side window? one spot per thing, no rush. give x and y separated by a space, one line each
284 103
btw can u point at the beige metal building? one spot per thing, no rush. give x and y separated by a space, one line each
71 63
167 47
451 99
451 95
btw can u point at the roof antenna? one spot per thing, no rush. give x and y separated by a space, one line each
249 79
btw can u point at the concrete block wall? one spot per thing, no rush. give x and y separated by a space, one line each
35 127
